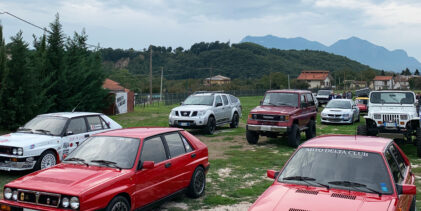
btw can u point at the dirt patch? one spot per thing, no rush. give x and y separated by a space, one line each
173 204
235 207
217 147
224 173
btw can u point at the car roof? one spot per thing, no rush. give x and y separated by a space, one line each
393 91
352 142
289 91
70 114
342 100
139 132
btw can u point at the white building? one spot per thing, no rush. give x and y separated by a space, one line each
316 78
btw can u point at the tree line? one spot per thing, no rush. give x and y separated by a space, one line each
56 75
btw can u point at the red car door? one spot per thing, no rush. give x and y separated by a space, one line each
181 162
152 184
303 113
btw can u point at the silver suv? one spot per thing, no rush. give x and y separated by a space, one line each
206 110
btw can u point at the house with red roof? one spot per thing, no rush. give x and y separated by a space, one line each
383 82
123 99
316 78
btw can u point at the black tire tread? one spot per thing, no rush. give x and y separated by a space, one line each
252 137
116 199
292 139
190 190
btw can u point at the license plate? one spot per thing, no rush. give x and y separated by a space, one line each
265 128
184 123
390 124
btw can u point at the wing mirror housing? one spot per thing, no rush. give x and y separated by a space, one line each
406 189
272 174
146 165
218 104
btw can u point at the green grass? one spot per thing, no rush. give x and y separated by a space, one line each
241 175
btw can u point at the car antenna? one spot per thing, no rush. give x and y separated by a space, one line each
73 110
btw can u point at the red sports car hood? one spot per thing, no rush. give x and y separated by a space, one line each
280 197
274 110
67 179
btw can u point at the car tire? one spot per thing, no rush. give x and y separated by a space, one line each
352 120
358 120
118 203
211 126
252 137
197 183
235 120
294 136
311 131
362 130
418 140
47 159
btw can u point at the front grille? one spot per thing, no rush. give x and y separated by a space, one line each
39 198
390 117
337 195
307 191
185 113
334 115
5 150
267 117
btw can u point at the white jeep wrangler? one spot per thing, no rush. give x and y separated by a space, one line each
393 114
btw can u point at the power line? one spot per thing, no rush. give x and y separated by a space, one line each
36 26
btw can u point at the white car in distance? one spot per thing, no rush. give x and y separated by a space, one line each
340 111
46 139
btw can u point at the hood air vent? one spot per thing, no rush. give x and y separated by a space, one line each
337 195
307 192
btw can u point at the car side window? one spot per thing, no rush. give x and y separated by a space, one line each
175 144
224 97
310 99
77 125
105 125
397 176
303 100
153 150
94 123
233 99
218 100
187 145
401 163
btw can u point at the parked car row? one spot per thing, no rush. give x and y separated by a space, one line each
103 167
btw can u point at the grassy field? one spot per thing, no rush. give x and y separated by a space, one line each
238 170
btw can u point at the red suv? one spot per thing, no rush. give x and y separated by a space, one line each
283 112
340 172
117 170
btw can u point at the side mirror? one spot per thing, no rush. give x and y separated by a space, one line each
218 104
146 165
69 132
272 174
406 189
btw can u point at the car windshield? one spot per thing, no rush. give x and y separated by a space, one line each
392 97
338 168
281 99
199 100
339 104
118 152
50 125
362 101
323 92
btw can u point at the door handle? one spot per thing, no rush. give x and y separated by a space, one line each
193 155
167 165
87 135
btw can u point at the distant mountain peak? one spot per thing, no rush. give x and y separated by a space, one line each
353 47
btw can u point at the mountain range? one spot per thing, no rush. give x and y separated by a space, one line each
354 48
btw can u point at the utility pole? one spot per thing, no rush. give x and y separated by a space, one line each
160 91
289 85
150 74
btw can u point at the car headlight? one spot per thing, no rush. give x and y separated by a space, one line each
20 151
201 113
74 203
284 118
377 116
7 193
404 116
15 195
346 115
15 151
65 202
324 114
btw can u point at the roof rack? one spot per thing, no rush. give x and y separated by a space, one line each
205 92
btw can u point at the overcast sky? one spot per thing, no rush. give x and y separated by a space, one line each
394 24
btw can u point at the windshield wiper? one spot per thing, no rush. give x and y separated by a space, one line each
107 162
78 160
44 131
355 185
285 104
269 103
306 180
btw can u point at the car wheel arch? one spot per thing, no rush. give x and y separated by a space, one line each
58 160
125 195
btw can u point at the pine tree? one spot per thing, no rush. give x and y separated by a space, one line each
3 59
18 86
417 72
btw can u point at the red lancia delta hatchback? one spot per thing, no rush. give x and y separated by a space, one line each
117 170
342 173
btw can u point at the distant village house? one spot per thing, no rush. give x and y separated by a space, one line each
217 80
123 98
383 82
316 78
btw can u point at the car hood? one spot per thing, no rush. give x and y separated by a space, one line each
192 108
68 179
282 198
392 109
274 110
336 110
25 139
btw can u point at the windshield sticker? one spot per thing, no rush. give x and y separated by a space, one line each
32 146
4 140
6 135
384 187
350 153
96 127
